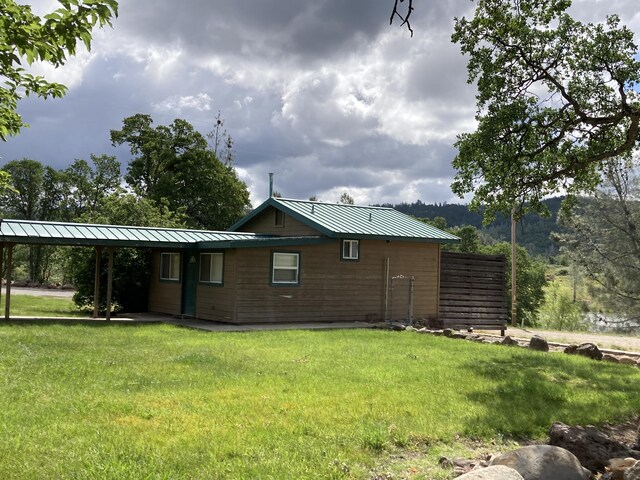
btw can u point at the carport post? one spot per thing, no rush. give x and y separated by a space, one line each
7 301
109 282
96 284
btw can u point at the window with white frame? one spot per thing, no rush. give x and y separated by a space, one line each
211 267
285 268
170 266
350 249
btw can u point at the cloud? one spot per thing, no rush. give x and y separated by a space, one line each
324 93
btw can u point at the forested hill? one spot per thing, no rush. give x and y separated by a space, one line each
533 231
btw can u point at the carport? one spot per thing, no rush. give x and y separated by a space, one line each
99 237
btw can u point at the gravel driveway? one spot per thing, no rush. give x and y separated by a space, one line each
41 292
610 341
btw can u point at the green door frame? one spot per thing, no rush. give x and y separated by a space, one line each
190 283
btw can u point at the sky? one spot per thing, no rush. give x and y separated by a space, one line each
323 93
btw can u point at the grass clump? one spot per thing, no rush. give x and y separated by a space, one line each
155 401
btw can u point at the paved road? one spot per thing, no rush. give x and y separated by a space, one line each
41 292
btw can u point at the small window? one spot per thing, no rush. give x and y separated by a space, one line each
279 218
286 268
211 267
350 249
170 266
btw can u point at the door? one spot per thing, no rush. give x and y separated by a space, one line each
190 283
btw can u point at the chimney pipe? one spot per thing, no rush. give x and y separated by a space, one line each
270 185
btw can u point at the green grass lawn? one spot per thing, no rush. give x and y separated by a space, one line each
160 402
40 306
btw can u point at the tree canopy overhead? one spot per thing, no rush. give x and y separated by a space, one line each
26 37
556 99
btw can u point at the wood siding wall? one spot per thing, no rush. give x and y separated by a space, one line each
334 290
164 296
265 223
215 302
473 291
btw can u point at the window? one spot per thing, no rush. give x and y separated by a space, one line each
170 266
211 267
286 268
279 218
350 250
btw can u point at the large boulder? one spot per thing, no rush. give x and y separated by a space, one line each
509 341
543 462
538 343
592 447
497 472
590 350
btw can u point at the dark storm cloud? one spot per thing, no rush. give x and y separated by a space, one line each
324 93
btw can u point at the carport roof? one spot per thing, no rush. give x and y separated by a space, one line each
82 234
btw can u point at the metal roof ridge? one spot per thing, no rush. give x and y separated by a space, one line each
338 204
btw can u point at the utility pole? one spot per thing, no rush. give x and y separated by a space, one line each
514 321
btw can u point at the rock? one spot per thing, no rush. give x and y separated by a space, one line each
607 357
633 473
497 472
68 286
619 465
592 447
472 337
20 283
410 328
461 336
448 332
627 360
543 462
508 340
538 343
590 350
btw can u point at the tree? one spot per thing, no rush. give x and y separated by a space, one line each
86 186
34 194
25 37
531 281
603 238
346 199
556 99
174 164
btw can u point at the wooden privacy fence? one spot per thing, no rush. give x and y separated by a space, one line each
473 291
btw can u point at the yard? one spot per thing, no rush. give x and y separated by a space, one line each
155 401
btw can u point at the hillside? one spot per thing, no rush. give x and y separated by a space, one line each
533 230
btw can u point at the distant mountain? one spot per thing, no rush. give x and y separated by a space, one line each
533 231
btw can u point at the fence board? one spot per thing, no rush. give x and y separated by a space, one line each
473 291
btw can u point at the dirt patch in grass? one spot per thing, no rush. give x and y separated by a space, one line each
445 461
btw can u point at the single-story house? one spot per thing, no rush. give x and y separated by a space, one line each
286 261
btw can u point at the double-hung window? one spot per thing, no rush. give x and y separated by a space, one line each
211 267
350 249
170 266
285 268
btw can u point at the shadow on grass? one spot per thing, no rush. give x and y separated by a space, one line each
98 323
526 392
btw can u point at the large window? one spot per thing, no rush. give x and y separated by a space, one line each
170 266
350 250
211 267
285 268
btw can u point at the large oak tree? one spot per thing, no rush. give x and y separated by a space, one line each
556 99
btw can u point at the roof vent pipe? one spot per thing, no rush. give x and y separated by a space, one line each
270 185
370 217
313 209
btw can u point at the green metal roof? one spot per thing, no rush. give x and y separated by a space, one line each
338 220
60 233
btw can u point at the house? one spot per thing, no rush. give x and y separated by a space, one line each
306 261
287 261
